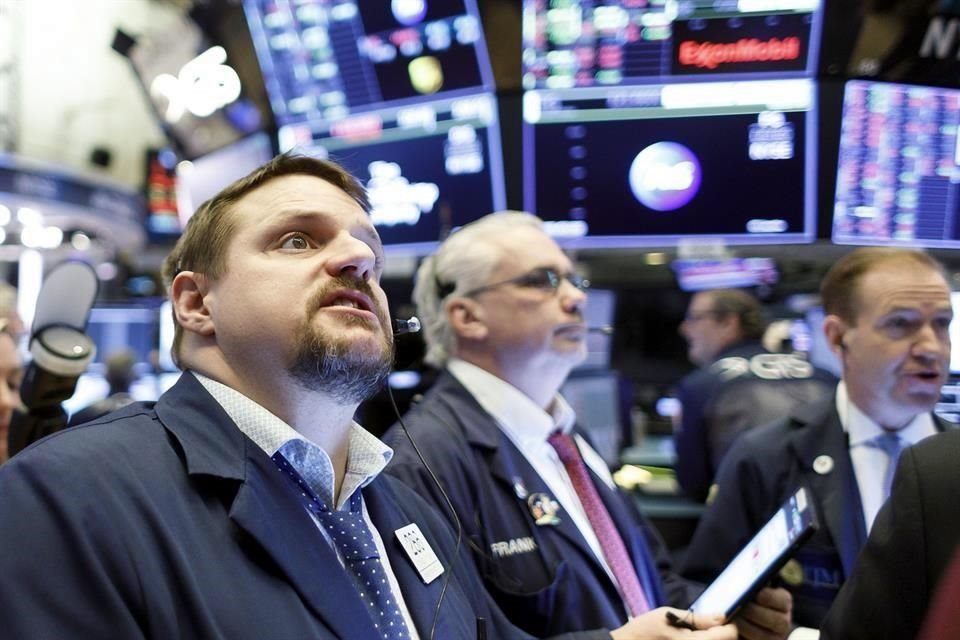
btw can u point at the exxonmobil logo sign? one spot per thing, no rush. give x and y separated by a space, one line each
709 55
743 44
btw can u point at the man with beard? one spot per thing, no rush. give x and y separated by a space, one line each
559 547
246 502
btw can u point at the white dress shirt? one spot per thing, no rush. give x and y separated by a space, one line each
870 463
528 426
366 458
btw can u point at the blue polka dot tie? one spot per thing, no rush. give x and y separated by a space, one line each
353 540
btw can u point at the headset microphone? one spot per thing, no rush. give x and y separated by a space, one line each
401 326
606 330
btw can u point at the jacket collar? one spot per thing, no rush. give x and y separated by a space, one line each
478 427
265 505
211 442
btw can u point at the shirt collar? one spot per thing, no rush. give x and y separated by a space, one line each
366 455
861 428
519 416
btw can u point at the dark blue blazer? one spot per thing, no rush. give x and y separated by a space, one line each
545 577
746 386
762 469
913 539
166 521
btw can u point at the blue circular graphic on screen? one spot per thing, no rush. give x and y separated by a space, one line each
665 176
409 12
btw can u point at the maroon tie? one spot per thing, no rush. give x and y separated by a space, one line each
610 541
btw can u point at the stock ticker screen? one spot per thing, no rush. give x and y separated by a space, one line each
897 174
399 92
650 165
584 43
324 60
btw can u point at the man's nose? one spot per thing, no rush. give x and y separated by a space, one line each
351 255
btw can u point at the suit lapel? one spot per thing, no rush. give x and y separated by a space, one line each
835 484
421 599
266 505
506 463
268 508
508 466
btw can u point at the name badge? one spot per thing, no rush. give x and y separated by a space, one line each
424 560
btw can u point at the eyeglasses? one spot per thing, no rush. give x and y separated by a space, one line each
697 316
544 278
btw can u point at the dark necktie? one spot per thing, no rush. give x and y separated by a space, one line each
614 551
353 539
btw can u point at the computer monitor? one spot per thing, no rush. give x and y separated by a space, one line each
704 274
898 180
581 43
325 61
401 94
121 327
598 313
199 180
655 164
598 399
427 170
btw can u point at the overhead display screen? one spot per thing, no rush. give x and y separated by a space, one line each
324 60
653 164
584 43
400 93
897 172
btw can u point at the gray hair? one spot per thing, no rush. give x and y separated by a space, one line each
466 260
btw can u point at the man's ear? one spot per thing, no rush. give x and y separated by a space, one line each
835 330
188 296
466 318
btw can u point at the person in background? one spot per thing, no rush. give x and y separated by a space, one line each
11 375
121 374
246 502
560 547
8 310
739 384
887 318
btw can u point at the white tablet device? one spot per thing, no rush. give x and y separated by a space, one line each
761 559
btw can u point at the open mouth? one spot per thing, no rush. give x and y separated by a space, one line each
348 299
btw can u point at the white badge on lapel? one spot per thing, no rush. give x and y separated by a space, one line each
424 560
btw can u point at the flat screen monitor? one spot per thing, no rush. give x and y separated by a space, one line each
598 313
428 169
898 180
653 165
199 180
701 274
324 60
583 43
597 399
124 327
162 222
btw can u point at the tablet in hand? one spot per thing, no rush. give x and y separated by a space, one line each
761 559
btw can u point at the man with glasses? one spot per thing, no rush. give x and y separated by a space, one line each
739 383
559 547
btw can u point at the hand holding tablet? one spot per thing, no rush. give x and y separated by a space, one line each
757 562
